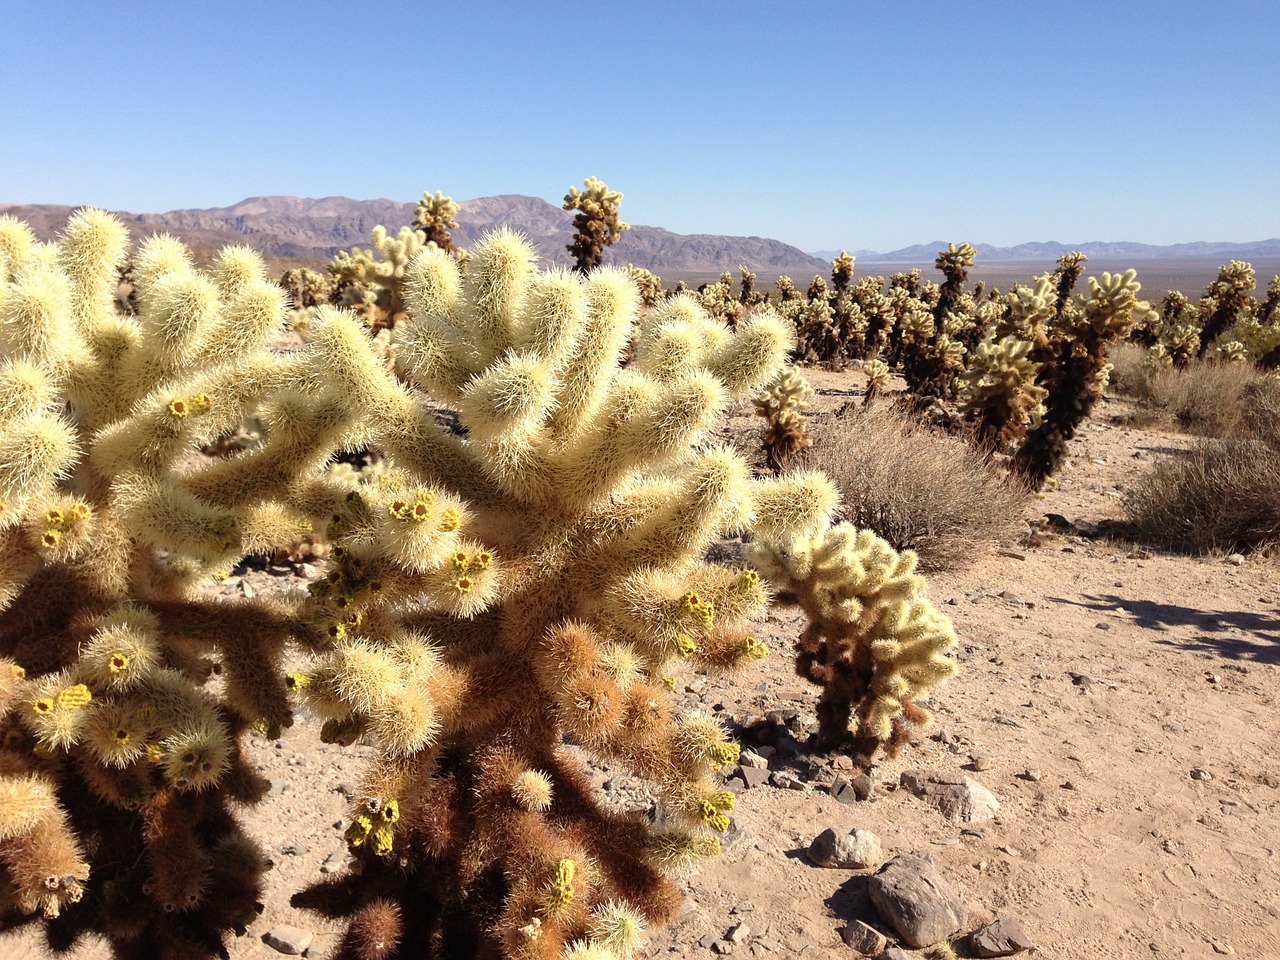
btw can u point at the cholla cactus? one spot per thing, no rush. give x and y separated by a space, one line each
435 218
1000 396
117 767
597 222
540 578
1073 367
783 404
719 302
877 373
306 288
374 288
1225 299
874 643
648 284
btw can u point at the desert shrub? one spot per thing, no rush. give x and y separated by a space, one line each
916 488
1130 371
1224 494
1210 399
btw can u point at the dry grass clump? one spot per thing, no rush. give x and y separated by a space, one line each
1224 494
1207 398
919 489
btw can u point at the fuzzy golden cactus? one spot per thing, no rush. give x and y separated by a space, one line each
370 281
1000 395
536 579
874 643
435 218
107 535
597 222
783 404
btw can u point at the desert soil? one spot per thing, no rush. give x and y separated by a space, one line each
1096 676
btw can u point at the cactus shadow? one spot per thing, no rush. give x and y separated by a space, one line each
1231 634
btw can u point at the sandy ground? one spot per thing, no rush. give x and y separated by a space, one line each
1105 845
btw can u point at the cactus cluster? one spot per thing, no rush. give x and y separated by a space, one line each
538 579
874 642
783 404
597 223
119 767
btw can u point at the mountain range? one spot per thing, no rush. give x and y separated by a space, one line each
1097 249
295 227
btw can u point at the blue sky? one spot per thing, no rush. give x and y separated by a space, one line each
841 124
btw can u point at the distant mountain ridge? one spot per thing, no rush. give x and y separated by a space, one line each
1051 250
298 227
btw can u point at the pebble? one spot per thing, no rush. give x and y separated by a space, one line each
787 781
981 762
739 933
288 940
743 906
1236 559
1199 773
750 758
1034 775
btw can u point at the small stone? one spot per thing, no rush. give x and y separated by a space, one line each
1034 775
287 939
334 862
738 933
1002 938
1102 626
246 589
750 758
1199 773
787 781
1081 680
842 790
868 941
722 947
276 789
1236 559
897 953
842 762
743 906
753 777
981 762
1011 851
916 900
852 851
707 940
295 850
1012 554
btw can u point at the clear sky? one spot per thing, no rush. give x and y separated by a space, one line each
864 125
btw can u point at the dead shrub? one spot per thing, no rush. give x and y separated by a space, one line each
1224 493
1207 398
919 489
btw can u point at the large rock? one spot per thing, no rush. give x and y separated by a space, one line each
1003 938
845 851
912 897
958 797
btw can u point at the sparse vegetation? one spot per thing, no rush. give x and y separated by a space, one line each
918 489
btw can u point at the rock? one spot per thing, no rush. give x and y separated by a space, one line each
863 786
287 939
852 851
958 797
743 906
914 898
787 781
981 762
738 933
868 941
753 777
334 862
1034 775
897 953
295 849
842 762
1002 938
750 758
842 790
1100 625
707 940
1200 773
722 947
1236 559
